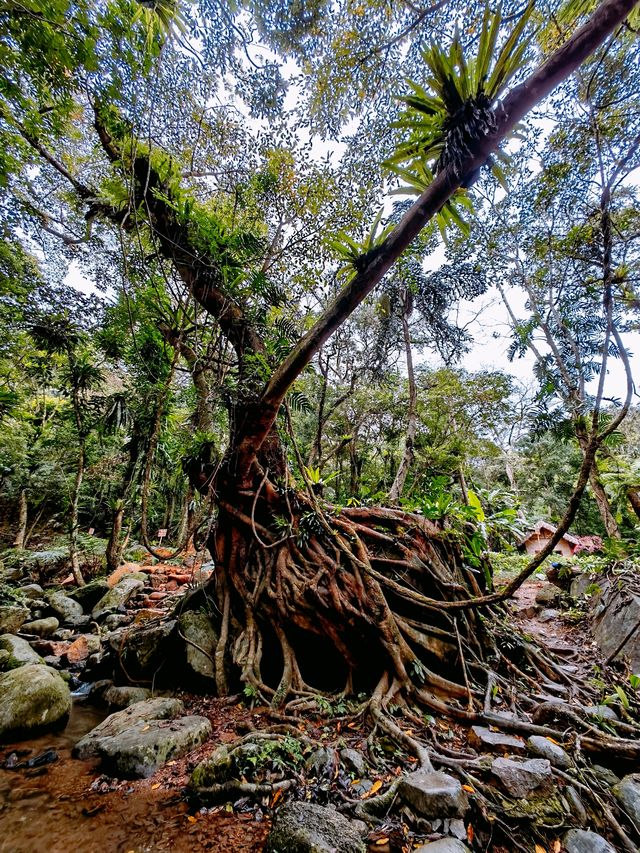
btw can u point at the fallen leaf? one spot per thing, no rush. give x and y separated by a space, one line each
171 763
275 797
373 789
557 847
557 743
469 789
356 781
145 729
540 849
191 818
381 841
470 834
155 786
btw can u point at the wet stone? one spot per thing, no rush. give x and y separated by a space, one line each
433 795
41 627
12 618
353 762
627 793
117 597
321 762
32 591
521 778
601 712
543 747
548 595
581 841
123 697
65 608
307 828
444 845
19 650
34 699
576 805
483 738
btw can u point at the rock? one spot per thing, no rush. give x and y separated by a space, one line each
307 828
433 795
548 595
549 615
458 829
321 762
116 620
115 724
545 748
85 645
353 761
217 767
41 627
54 661
20 652
145 649
66 608
116 597
485 739
122 697
197 630
605 775
32 591
34 699
444 845
576 805
141 749
90 594
581 583
12 618
522 778
615 622
601 712
627 793
581 841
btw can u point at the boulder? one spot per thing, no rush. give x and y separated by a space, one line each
353 761
321 762
141 749
520 779
581 841
12 618
145 649
307 828
627 793
217 767
68 610
616 621
548 595
32 591
34 699
444 845
20 652
115 724
117 597
545 748
90 594
123 697
484 739
41 627
198 633
433 795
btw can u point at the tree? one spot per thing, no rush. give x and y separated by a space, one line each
292 573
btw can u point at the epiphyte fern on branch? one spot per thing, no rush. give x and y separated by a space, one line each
456 106
355 254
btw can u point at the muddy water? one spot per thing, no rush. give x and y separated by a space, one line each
54 810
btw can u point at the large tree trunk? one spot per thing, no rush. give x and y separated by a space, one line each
21 533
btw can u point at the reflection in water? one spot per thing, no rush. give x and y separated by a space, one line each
51 809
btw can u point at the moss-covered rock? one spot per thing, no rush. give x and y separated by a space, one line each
19 651
12 618
34 699
200 640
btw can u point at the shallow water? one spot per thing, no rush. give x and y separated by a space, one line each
52 809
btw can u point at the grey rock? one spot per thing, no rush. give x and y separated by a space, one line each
543 747
548 595
627 793
485 739
307 828
581 841
123 697
117 596
34 699
115 724
68 610
433 795
54 661
605 775
353 761
549 615
90 594
581 584
522 778
12 618
601 712
576 805
20 652
615 621
41 627
444 845
321 762
458 829
32 591
145 649
198 633
116 620
141 749
4 659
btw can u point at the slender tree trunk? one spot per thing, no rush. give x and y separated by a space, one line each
634 499
33 525
19 541
73 517
114 545
597 489
408 453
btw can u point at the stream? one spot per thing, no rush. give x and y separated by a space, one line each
53 809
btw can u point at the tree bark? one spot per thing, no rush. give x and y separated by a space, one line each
73 517
114 545
21 533
408 453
